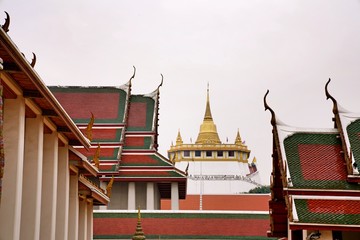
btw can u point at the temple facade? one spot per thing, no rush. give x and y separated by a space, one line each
45 186
214 167
124 143
315 191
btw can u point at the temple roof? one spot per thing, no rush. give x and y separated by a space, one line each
318 168
326 212
208 133
125 128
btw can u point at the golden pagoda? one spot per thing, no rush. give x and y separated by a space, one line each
208 146
212 166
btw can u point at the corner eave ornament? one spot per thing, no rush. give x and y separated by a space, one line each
273 118
6 25
335 106
89 127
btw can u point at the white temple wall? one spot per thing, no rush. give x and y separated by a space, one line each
140 195
119 196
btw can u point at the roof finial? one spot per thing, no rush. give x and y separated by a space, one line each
335 107
208 115
179 140
273 119
33 61
5 27
133 76
162 80
238 138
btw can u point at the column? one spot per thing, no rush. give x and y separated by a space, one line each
174 196
90 219
49 187
31 193
14 129
150 196
73 208
131 196
62 203
83 218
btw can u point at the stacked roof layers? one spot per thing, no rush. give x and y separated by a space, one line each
314 182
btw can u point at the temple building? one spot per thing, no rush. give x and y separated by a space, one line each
214 167
45 186
124 142
315 191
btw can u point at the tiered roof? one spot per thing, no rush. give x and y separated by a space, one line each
315 177
125 128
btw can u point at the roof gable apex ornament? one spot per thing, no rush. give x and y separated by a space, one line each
155 94
6 25
133 76
273 117
162 80
335 105
33 60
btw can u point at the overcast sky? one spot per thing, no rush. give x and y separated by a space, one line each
241 48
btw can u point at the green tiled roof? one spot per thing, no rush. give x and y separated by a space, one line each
336 212
315 162
353 131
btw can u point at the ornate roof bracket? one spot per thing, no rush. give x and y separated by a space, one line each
277 156
338 125
5 27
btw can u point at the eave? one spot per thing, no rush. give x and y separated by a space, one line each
83 164
316 226
322 192
33 87
96 193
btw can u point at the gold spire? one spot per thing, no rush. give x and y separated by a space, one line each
208 115
208 132
179 140
238 138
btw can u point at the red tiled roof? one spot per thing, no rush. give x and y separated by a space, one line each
137 114
318 160
103 106
143 160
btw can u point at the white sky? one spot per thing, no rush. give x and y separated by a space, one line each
241 48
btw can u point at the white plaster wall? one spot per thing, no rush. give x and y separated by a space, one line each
140 195
119 196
